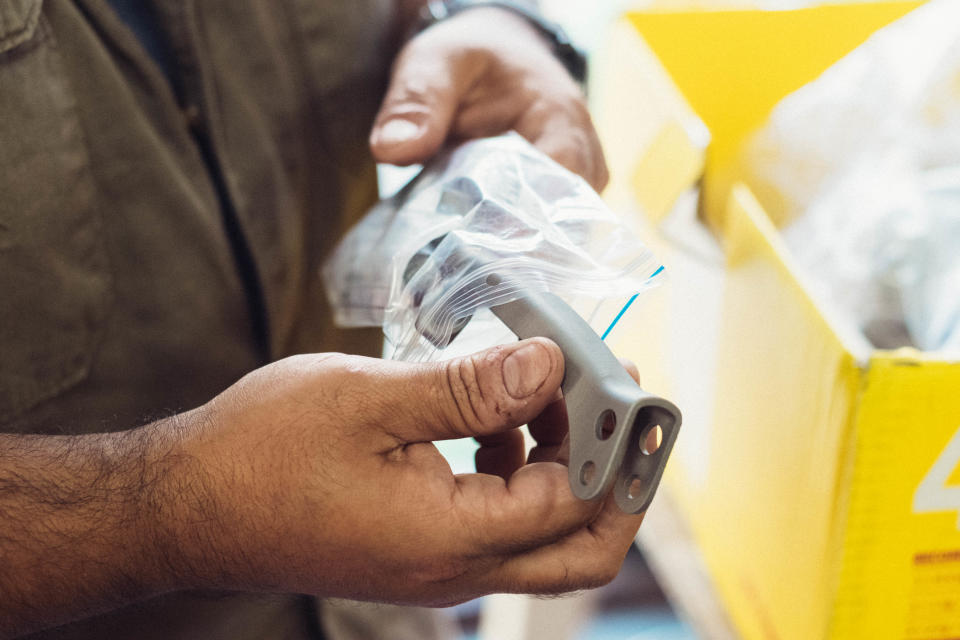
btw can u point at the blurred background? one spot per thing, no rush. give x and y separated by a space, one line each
796 167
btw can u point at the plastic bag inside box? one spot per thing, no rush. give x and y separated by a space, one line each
865 164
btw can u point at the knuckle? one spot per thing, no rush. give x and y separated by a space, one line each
600 572
461 387
312 360
408 94
565 580
337 370
573 148
421 78
482 403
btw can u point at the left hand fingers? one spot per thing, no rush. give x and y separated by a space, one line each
561 127
481 73
416 114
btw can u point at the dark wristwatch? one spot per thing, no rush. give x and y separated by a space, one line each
563 48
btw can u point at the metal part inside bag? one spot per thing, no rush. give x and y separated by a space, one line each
497 230
495 205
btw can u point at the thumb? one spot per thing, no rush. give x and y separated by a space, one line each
419 107
477 395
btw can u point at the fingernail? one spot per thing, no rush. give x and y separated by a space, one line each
397 131
525 370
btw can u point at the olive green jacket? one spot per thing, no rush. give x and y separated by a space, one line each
127 289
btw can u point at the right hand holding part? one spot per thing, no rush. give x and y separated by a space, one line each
317 474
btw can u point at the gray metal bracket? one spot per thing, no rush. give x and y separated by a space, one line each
610 417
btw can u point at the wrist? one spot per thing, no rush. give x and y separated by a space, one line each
527 11
175 512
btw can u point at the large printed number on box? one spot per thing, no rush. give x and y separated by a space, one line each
933 493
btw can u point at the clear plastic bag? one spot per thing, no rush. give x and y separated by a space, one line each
490 206
862 165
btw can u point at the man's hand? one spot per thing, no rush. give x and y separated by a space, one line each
323 479
480 73
316 474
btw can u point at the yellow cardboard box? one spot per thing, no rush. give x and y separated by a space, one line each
824 490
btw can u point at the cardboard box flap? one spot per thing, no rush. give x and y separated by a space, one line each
733 66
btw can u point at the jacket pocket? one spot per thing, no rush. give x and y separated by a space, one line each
18 22
54 277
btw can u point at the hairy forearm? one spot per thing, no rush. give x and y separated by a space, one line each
81 524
